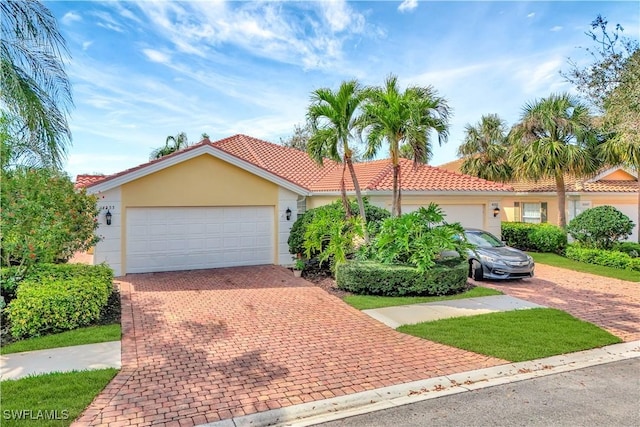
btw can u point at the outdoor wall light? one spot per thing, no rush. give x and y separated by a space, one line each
288 214
496 211
108 217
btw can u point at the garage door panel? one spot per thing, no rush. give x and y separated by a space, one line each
165 239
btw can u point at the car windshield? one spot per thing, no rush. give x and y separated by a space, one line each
482 239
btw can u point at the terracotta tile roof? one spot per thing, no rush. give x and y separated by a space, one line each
296 167
85 180
572 184
293 165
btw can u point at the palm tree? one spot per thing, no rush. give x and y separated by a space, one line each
36 92
180 141
403 119
485 148
554 137
332 116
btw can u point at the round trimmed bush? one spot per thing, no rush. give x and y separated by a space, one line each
600 227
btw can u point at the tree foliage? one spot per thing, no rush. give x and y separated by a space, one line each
555 136
597 80
44 218
485 149
600 227
36 93
332 117
171 145
300 137
404 121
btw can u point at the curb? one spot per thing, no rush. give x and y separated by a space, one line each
336 408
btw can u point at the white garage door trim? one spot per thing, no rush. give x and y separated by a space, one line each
470 216
190 238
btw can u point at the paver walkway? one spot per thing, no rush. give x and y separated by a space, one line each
206 345
612 304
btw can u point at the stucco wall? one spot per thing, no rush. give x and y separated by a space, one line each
109 249
201 181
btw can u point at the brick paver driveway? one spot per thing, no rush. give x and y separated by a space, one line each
206 345
612 304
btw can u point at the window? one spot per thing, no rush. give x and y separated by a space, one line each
531 212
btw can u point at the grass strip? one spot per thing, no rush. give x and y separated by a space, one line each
556 260
88 335
366 302
51 399
517 335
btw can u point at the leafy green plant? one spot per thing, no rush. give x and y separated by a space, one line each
603 257
331 237
534 237
47 303
418 239
630 248
299 264
297 234
374 278
600 227
44 219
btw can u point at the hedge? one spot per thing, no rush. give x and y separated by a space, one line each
534 237
373 278
603 257
58 298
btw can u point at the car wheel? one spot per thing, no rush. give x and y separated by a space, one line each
476 270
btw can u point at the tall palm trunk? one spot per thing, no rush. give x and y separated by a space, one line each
562 215
356 186
343 193
395 208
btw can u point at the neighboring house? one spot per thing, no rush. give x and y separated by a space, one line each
233 202
537 202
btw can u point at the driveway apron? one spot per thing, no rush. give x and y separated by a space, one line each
201 346
612 304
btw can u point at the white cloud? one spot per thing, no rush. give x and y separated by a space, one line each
531 15
408 5
311 35
556 28
71 17
86 45
156 56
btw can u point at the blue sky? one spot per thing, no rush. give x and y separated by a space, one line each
144 70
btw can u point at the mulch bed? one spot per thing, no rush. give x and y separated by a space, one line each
321 277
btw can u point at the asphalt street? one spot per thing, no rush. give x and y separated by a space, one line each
603 395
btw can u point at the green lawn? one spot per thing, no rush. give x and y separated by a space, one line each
61 396
515 335
88 335
365 302
562 262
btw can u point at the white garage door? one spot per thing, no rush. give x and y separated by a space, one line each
169 239
632 212
470 216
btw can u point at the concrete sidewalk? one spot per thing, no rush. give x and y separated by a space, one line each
426 312
63 359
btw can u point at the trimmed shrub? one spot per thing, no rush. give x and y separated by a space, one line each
534 237
600 227
603 257
630 248
373 278
58 298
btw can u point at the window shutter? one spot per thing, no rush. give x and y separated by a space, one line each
517 216
543 212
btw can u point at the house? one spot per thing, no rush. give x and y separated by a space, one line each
537 201
232 202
